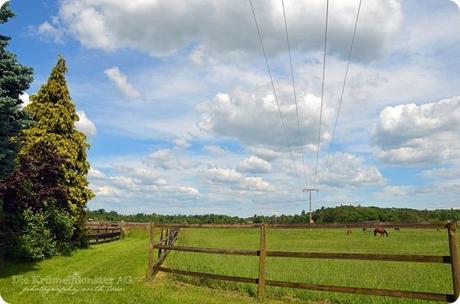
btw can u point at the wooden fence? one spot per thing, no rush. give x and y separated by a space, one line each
263 253
101 232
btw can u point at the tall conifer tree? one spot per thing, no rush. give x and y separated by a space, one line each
54 117
14 80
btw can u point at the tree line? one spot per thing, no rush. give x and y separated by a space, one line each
43 166
339 214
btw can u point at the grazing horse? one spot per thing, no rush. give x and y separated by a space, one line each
381 231
349 231
397 229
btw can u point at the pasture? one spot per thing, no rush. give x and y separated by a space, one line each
371 274
126 260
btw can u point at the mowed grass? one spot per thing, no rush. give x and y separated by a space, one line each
124 262
372 274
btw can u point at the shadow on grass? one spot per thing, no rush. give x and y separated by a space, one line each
12 267
9 268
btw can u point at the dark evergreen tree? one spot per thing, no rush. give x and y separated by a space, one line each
14 80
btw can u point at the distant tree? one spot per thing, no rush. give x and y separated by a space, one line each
14 80
54 117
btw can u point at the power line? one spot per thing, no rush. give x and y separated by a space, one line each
322 91
343 86
295 93
273 88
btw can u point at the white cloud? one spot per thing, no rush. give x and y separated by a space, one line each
197 57
224 175
227 26
230 178
52 30
253 118
215 149
345 169
189 190
96 174
106 190
265 153
254 164
24 97
164 159
121 81
426 133
457 2
181 143
85 125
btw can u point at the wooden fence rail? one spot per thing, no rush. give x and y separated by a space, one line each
101 232
262 253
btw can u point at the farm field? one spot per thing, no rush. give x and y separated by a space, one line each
125 260
372 274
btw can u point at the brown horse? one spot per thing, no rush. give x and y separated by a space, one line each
380 231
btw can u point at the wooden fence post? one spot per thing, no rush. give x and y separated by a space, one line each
451 230
150 261
262 256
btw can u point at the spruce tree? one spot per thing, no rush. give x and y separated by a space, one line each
14 80
54 116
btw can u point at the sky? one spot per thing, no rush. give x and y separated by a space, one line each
176 102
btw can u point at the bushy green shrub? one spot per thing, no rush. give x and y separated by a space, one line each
62 227
35 241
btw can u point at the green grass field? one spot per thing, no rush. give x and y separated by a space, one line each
117 269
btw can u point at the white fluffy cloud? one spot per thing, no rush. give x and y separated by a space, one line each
181 143
349 170
164 159
85 125
52 30
253 118
426 133
265 153
254 164
215 149
233 179
113 24
121 81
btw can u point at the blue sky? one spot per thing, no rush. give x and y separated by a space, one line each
177 105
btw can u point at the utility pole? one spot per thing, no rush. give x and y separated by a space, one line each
310 190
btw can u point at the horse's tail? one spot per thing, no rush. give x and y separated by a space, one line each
386 233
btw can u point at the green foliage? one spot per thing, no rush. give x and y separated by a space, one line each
54 117
351 214
101 214
340 214
48 191
35 240
34 199
14 80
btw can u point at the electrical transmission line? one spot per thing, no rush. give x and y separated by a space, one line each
322 92
343 86
295 93
273 88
